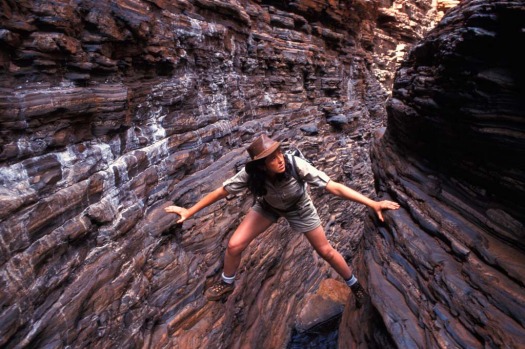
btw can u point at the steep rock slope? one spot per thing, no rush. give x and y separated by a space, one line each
447 271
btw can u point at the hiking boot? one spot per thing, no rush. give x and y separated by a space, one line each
360 294
219 290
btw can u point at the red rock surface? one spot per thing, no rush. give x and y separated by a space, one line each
110 109
447 271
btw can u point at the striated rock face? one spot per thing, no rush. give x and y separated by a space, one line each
398 27
447 271
110 109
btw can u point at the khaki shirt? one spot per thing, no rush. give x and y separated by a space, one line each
282 194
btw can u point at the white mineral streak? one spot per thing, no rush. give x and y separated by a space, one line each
14 180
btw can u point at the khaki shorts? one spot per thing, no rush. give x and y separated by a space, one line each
302 218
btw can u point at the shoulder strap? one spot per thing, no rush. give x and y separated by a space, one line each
294 173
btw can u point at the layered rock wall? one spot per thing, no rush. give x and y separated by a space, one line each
447 270
110 109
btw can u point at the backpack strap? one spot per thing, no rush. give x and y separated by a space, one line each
291 160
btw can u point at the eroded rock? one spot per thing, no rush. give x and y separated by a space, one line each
447 269
109 110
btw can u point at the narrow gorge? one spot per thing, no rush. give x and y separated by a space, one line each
112 110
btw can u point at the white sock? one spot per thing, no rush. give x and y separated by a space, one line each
350 282
228 279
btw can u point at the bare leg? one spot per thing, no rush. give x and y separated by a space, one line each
318 240
251 226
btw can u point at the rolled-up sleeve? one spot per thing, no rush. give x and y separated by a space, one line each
310 174
237 183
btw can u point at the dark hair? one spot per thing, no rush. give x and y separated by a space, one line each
257 176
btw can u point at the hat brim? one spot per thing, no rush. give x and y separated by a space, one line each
267 152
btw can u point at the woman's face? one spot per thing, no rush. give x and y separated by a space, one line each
275 162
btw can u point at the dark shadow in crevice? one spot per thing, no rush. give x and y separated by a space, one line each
320 336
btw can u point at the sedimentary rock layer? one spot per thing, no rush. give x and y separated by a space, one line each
447 271
111 109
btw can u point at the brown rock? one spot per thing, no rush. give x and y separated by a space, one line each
111 109
323 306
451 260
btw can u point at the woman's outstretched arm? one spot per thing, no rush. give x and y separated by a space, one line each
214 196
343 191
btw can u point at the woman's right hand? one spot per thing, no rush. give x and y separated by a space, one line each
181 211
209 199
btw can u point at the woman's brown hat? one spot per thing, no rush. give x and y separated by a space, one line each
262 147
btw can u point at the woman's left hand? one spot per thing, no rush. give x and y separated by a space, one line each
379 206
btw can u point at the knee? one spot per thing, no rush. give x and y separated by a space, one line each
327 252
235 249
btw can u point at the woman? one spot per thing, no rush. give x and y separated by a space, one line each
278 194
